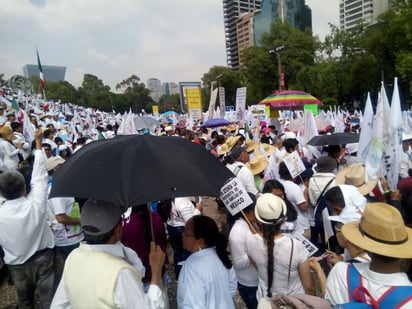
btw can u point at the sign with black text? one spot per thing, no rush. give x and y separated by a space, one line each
234 196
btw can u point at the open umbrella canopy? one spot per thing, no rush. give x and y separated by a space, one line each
135 169
334 139
215 122
145 122
289 99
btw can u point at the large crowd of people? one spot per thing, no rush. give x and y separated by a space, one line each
325 238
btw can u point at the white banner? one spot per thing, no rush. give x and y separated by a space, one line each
222 102
212 102
240 103
235 197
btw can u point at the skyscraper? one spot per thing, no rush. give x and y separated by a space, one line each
232 11
353 11
246 21
295 12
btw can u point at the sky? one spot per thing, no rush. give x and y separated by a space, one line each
172 40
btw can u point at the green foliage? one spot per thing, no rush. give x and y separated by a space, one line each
295 49
225 77
169 102
136 94
2 80
61 90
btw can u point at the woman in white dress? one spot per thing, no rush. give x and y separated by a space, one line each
207 279
282 262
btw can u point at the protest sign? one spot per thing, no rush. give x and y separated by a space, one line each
294 164
234 196
308 245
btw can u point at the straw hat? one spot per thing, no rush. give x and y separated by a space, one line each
232 127
257 164
223 149
269 149
251 145
7 133
270 209
381 230
354 175
231 141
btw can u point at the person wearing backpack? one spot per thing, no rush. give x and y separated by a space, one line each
382 283
319 184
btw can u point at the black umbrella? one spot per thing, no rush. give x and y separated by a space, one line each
136 169
334 139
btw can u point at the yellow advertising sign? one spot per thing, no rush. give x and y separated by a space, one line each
155 110
194 102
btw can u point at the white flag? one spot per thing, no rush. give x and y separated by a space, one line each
393 149
365 140
374 157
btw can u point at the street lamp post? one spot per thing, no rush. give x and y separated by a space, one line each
281 76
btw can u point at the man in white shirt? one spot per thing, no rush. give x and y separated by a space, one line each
25 236
240 157
382 233
102 272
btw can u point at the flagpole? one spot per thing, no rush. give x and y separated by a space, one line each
41 75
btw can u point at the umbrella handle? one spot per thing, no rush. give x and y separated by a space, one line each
149 209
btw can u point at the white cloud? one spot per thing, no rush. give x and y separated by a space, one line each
175 40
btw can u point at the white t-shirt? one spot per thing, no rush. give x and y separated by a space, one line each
376 283
296 197
246 273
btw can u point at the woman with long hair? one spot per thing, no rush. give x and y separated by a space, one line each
282 262
207 279
275 187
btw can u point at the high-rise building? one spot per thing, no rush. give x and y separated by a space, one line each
247 21
351 12
295 12
232 11
51 73
155 87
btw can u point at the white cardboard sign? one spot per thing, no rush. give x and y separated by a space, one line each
294 164
235 197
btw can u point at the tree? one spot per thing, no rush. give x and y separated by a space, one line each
136 94
225 77
169 102
61 90
2 80
296 51
93 93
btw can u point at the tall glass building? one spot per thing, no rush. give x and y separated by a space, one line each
295 12
247 20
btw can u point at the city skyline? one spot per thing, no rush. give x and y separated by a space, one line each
170 40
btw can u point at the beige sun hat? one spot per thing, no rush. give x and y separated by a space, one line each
257 164
231 141
354 175
7 133
381 230
223 149
251 145
267 148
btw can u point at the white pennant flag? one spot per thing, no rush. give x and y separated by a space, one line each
365 140
374 156
393 149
